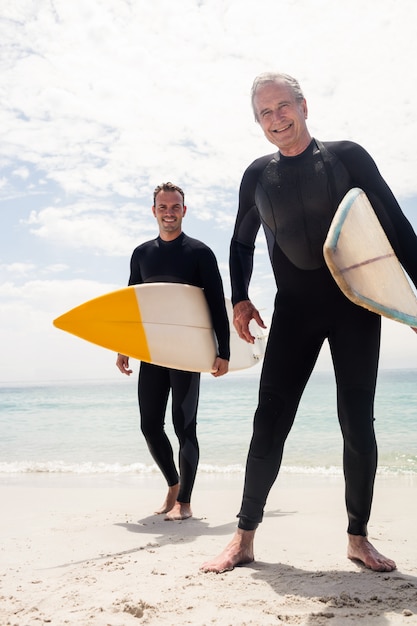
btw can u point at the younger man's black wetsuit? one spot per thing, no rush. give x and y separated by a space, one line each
189 261
295 198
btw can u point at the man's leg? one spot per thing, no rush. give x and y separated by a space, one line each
355 351
288 362
185 394
153 392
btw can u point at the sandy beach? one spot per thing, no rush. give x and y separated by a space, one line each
89 551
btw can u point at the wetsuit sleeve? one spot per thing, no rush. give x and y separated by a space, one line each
242 245
213 289
135 277
399 231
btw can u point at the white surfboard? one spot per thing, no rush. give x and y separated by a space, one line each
168 324
363 263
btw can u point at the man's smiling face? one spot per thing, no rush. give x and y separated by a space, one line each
169 210
282 118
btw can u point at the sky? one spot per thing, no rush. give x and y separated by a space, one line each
101 100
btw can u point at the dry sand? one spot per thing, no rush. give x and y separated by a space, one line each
88 552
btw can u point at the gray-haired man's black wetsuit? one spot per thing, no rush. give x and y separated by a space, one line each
294 199
189 261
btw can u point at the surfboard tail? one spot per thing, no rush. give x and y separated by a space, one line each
363 263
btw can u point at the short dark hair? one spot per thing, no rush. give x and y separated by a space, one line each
167 187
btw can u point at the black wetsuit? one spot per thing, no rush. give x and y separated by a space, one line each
189 261
295 198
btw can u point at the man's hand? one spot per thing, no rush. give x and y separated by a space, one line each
220 367
122 363
243 313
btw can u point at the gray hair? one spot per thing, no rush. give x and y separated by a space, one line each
275 77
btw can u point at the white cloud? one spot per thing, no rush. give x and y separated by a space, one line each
21 172
18 268
56 268
101 102
95 226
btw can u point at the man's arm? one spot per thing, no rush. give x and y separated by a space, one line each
365 175
242 248
212 284
135 278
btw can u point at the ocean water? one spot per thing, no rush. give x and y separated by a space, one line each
92 427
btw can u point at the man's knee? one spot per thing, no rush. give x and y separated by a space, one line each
267 425
356 415
150 431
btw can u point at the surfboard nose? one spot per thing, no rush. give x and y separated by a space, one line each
112 321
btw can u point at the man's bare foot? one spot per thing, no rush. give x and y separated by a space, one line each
170 500
360 549
180 510
238 552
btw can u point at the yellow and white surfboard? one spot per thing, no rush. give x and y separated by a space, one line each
168 324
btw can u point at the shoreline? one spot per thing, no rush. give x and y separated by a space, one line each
87 551
206 480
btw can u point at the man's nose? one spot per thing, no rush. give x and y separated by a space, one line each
276 115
